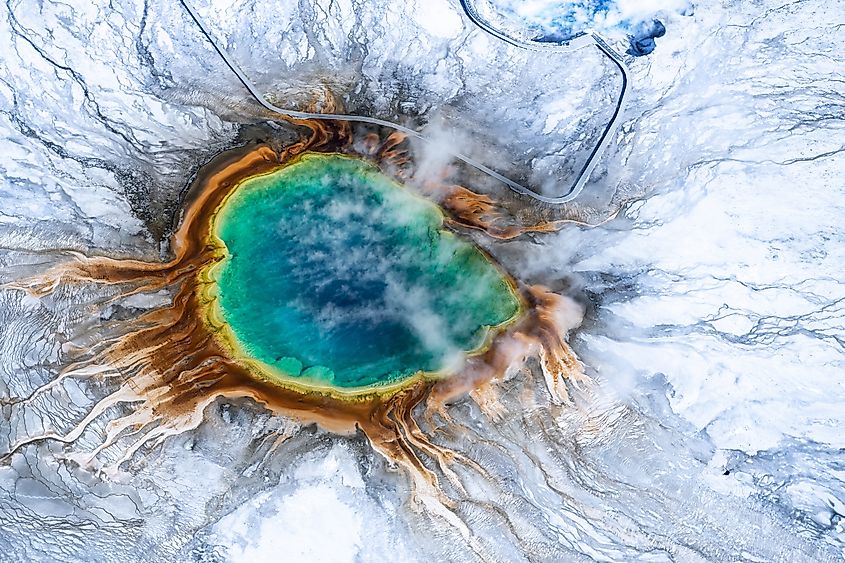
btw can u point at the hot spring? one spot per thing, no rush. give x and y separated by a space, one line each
334 277
318 283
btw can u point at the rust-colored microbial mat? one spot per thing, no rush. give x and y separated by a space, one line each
173 361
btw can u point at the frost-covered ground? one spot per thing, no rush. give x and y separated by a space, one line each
715 330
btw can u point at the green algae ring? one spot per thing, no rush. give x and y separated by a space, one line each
333 278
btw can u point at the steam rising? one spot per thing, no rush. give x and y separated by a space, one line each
564 19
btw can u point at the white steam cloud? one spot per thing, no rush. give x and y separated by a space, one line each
550 17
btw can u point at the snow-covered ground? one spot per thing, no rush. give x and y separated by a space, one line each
715 329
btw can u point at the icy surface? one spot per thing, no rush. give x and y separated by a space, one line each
715 331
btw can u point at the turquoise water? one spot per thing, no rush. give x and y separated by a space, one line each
339 276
